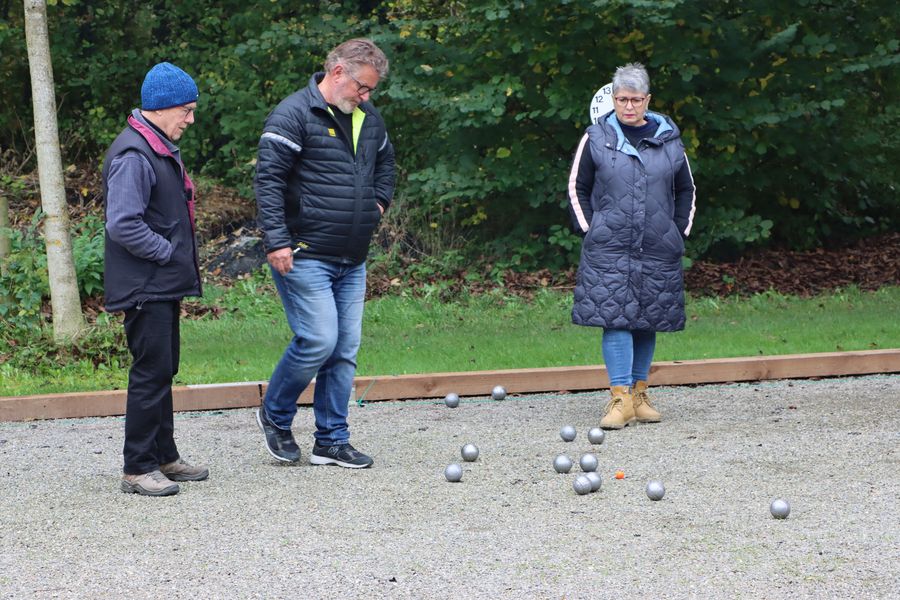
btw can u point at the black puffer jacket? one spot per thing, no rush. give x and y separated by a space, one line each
313 193
635 207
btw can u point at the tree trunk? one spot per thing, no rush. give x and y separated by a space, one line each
68 321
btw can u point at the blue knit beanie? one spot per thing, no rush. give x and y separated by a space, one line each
166 86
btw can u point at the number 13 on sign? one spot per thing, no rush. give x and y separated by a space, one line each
601 103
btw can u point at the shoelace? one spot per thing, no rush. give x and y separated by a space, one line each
346 448
157 476
612 403
642 398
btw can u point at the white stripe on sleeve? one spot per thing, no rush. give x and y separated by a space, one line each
282 140
573 195
687 230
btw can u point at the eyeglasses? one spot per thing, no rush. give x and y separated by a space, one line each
361 88
635 102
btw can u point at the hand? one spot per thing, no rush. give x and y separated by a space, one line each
380 207
282 260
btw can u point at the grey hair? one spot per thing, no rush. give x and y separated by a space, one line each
632 76
356 53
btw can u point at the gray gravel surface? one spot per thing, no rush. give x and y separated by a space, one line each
512 528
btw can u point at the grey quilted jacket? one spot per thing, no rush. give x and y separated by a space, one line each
634 207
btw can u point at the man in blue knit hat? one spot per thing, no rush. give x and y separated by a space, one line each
150 265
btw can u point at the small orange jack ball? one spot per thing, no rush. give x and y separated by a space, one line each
620 475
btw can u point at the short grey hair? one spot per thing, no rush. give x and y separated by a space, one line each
356 53
632 76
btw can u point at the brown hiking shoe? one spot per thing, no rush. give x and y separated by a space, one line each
643 410
619 411
153 483
182 471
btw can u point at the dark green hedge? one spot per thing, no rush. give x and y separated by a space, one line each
789 110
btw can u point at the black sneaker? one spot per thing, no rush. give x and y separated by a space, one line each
279 442
343 455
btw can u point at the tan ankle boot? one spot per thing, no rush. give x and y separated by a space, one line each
619 411
643 410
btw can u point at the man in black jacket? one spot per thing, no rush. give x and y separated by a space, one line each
150 265
324 176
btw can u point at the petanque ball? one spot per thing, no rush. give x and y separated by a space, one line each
469 452
780 509
655 490
581 485
453 472
596 435
498 393
562 464
596 482
451 400
567 433
588 462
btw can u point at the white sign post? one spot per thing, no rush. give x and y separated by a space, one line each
602 103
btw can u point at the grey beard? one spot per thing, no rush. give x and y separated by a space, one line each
344 107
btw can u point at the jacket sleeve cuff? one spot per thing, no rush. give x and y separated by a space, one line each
168 250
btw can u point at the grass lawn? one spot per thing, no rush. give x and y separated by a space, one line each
404 335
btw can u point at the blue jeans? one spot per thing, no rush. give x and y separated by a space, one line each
627 355
323 303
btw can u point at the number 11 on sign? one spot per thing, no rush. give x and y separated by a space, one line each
601 103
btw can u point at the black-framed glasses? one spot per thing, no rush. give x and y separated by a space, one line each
635 102
361 89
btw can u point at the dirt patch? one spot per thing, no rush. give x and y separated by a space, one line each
868 264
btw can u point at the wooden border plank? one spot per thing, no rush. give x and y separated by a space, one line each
112 403
62 406
480 383
216 396
471 383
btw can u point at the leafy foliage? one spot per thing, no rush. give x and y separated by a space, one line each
87 248
24 284
786 109
24 288
500 92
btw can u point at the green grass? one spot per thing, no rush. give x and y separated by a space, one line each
407 335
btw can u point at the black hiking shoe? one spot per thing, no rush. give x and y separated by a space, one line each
279 442
343 455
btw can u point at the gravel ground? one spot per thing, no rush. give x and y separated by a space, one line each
512 528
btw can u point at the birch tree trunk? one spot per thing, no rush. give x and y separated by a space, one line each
68 321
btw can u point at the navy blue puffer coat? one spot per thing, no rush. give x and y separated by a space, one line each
634 207
318 190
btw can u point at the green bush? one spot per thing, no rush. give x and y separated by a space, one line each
24 285
784 109
26 340
26 280
87 248
102 346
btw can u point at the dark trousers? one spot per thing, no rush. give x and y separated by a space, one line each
154 341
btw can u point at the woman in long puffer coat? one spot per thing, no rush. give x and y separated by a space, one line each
632 196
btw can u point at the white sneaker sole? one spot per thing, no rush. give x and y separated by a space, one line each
323 460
